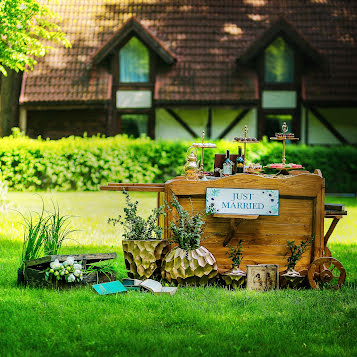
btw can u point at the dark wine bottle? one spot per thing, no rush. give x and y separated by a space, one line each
240 161
227 165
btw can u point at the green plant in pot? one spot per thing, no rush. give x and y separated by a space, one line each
235 277
187 263
293 278
142 244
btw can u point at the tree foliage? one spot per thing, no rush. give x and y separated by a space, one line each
27 27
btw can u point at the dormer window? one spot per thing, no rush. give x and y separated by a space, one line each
134 62
279 62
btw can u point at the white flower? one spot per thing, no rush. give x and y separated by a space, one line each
77 266
71 278
70 261
77 272
55 265
23 6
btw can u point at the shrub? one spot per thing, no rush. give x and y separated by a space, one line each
82 164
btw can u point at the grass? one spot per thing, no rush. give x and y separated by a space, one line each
194 322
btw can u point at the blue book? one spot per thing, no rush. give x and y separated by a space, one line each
112 287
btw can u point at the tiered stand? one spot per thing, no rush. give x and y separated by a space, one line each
301 216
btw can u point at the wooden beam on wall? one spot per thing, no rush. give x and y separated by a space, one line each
238 118
181 122
209 123
327 125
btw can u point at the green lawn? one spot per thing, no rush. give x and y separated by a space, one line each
194 322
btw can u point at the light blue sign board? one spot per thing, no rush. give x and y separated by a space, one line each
112 287
241 201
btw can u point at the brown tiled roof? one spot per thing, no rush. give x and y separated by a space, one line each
206 37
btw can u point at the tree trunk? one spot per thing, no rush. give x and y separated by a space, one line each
9 101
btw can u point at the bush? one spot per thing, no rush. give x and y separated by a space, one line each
82 164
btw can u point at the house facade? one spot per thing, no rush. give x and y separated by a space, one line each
170 69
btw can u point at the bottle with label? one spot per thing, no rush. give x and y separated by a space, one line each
240 161
227 165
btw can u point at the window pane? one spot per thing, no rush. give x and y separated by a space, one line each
274 123
134 124
279 62
134 62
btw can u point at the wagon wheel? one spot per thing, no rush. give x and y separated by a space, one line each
327 253
326 272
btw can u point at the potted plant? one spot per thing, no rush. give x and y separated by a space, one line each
188 262
293 278
235 277
142 244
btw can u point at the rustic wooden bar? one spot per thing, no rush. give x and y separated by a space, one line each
301 215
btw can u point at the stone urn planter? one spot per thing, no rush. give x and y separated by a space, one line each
143 257
235 277
189 267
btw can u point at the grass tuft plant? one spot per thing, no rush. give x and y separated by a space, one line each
44 234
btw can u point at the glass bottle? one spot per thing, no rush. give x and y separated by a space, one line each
240 161
227 165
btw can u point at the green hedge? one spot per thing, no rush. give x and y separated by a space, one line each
77 163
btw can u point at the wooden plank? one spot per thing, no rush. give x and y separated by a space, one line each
182 122
334 207
133 188
90 258
305 185
235 216
127 184
235 121
252 249
261 239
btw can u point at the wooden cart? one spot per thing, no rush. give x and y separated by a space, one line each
301 216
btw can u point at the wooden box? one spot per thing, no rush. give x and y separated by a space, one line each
34 271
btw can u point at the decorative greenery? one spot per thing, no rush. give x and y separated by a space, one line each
107 269
136 227
82 164
24 27
296 251
70 270
187 229
236 253
44 233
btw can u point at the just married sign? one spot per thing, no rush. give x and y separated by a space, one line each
241 201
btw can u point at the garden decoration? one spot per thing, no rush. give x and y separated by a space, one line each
187 263
292 278
64 271
235 277
142 244
262 277
265 211
44 234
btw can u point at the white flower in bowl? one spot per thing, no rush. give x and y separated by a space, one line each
70 261
55 265
77 266
71 278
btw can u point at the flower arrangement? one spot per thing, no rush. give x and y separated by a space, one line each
70 270
136 227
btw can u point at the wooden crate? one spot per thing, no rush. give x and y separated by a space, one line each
301 215
34 271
